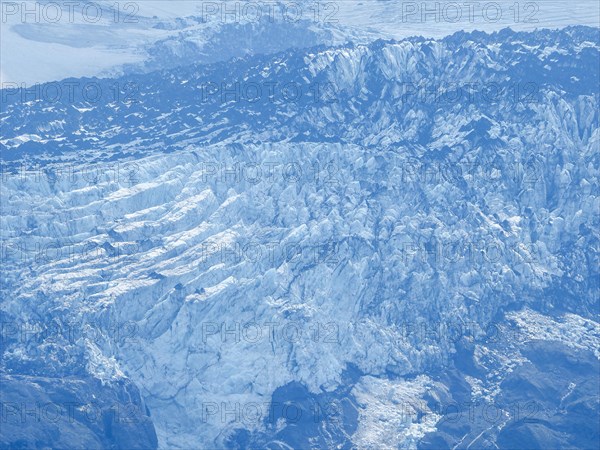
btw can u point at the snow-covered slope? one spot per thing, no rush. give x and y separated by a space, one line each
45 40
352 246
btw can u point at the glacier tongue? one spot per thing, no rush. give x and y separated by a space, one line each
213 274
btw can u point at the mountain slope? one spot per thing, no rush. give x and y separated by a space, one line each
349 247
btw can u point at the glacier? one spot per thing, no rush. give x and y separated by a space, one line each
373 244
52 40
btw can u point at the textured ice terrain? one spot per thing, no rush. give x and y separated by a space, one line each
380 244
51 40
